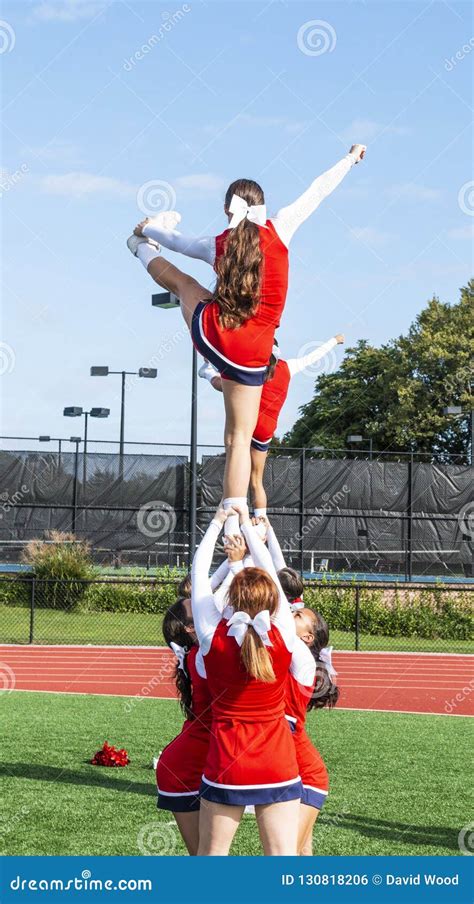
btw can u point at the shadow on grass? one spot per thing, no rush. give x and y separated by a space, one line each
407 833
95 776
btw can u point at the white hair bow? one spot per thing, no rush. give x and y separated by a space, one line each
180 653
297 604
325 656
256 213
241 621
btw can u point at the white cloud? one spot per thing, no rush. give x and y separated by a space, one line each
199 185
362 131
462 232
80 184
413 192
67 10
370 236
58 151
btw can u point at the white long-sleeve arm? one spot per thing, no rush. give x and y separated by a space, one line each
220 574
203 249
275 549
283 617
220 595
206 615
289 218
303 666
296 365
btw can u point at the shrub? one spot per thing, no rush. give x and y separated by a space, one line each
63 563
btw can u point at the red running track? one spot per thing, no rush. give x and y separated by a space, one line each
396 682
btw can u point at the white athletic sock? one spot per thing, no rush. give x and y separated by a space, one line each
232 525
260 512
146 253
207 371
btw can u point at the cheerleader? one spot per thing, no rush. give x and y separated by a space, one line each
234 327
310 688
274 393
180 765
251 757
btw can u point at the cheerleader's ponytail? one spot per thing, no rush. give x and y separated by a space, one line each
174 625
238 269
253 591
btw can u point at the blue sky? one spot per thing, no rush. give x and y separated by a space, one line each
221 90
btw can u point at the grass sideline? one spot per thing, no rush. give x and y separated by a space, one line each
388 780
53 626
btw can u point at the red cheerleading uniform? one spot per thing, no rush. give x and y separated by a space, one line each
273 398
180 766
251 756
312 769
243 354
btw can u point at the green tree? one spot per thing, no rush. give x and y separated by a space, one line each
396 394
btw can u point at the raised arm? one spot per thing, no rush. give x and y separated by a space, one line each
296 365
275 548
283 618
303 665
289 218
206 615
219 575
204 248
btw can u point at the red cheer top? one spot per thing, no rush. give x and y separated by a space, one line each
250 345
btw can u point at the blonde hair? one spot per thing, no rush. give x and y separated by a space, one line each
252 591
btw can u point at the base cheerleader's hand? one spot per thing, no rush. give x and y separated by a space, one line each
340 338
221 514
242 511
358 151
235 548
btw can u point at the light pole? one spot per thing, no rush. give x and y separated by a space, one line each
167 300
47 439
75 411
149 373
355 438
458 411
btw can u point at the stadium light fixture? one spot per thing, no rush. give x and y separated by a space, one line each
355 438
44 439
165 300
453 411
102 371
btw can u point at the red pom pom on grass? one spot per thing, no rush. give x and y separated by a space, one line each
110 756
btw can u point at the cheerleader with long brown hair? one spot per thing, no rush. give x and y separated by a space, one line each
234 326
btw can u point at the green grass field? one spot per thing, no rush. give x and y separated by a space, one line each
399 782
56 626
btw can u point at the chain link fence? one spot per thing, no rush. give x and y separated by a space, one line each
116 611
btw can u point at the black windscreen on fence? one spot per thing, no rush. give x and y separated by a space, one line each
339 513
